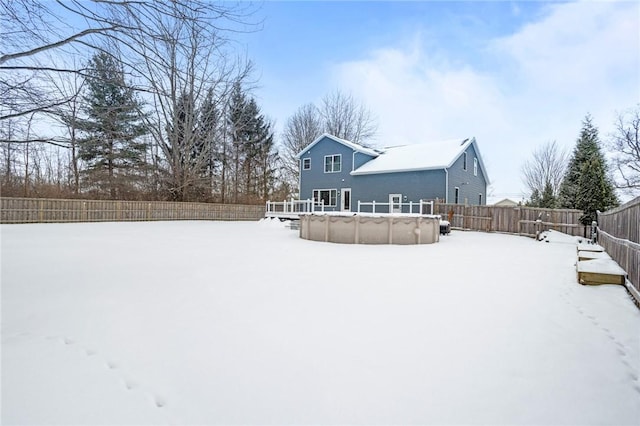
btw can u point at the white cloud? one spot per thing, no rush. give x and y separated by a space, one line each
579 58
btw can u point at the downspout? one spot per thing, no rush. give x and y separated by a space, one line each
446 186
300 178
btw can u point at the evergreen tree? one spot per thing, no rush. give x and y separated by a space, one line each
237 123
586 185
548 200
253 153
112 150
207 132
534 200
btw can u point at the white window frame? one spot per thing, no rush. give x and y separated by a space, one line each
332 191
475 167
333 163
456 195
306 163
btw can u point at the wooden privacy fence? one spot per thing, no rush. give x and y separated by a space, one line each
619 234
513 220
36 210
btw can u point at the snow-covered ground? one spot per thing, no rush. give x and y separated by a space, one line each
245 323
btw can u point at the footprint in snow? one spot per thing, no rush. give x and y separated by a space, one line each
158 401
129 384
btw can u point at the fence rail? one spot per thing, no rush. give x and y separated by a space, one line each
619 234
513 220
44 210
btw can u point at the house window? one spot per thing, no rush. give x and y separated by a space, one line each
328 196
332 163
464 161
475 167
456 196
480 199
306 163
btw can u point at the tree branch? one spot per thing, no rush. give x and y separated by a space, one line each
13 56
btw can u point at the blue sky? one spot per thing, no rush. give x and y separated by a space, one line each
513 74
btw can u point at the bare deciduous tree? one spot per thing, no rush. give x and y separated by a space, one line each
625 144
174 52
70 87
38 35
302 128
346 118
184 65
545 168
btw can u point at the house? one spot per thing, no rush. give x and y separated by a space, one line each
506 202
339 173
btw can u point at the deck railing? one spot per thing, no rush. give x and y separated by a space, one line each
420 207
292 207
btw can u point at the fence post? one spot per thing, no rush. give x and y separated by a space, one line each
40 211
374 206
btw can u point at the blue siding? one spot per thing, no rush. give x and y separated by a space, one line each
316 178
414 186
360 158
470 186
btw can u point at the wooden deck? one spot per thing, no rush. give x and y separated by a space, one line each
282 215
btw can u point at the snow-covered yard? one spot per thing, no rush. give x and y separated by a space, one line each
238 323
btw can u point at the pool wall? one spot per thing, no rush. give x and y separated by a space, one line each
370 229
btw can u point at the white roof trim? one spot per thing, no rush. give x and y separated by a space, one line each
352 145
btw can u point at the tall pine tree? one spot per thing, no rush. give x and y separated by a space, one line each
587 185
253 154
111 149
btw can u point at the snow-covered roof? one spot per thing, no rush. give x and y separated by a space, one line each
356 147
503 202
427 156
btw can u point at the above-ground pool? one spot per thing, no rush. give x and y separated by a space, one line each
370 228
